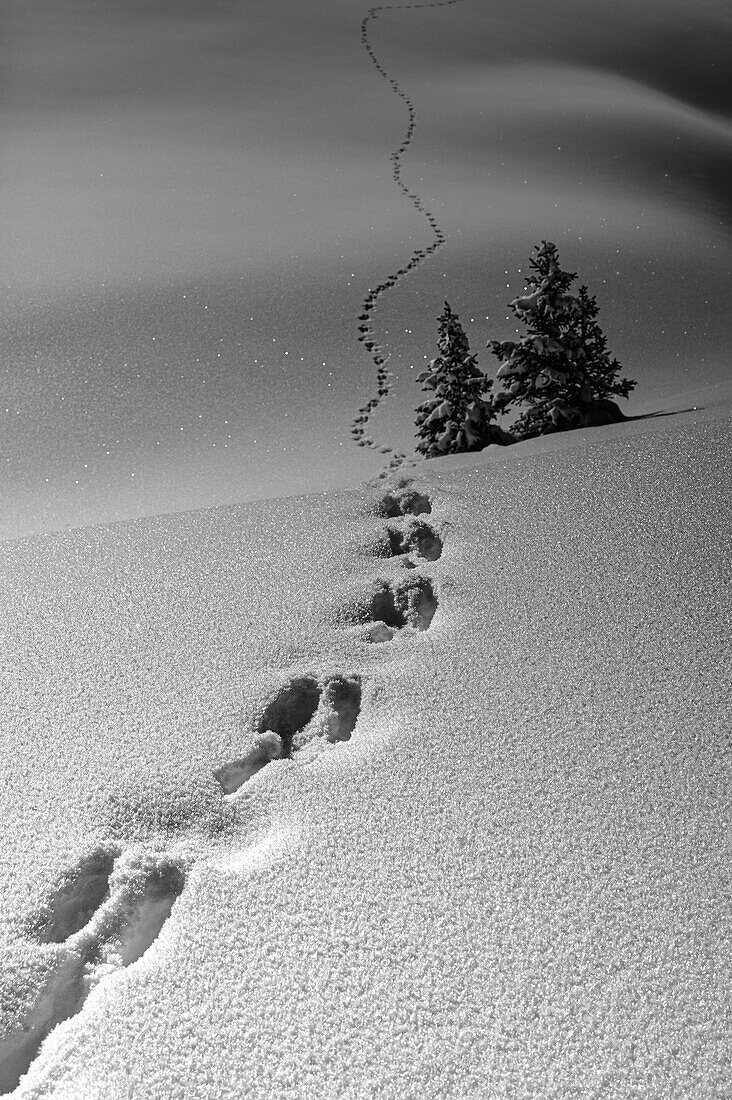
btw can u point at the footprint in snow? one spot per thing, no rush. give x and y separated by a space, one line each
77 898
418 538
302 719
104 915
396 605
416 200
403 501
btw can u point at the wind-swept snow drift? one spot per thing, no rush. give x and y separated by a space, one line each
249 851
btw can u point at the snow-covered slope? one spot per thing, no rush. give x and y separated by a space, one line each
495 860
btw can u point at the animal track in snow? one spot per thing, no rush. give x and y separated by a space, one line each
384 376
404 501
62 996
418 538
290 712
135 917
344 699
79 896
394 606
303 713
133 903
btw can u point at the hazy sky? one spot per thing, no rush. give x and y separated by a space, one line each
198 195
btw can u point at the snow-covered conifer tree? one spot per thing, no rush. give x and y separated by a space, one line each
561 369
456 416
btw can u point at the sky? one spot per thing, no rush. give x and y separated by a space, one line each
197 197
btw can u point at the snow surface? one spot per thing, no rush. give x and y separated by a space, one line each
489 855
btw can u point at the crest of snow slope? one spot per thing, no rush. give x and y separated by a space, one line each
512 880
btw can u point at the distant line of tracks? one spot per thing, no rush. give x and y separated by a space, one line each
380 358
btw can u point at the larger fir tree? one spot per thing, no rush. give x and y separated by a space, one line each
456 416
560 371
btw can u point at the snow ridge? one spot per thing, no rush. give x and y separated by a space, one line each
384 377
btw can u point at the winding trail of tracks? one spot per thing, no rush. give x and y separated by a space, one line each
378 355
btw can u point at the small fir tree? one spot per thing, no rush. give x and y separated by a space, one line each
561 369
456 416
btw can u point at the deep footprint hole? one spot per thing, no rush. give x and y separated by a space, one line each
151 911
344 696
425 605
291 710
283 718
62 996
404 503
78 898
415 504
427 543
395 542
385 607
413 603
420 539
65 991
288 715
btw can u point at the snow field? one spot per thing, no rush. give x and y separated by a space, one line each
508 878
